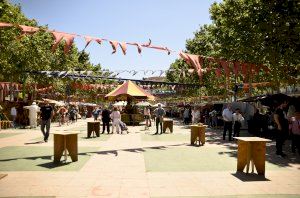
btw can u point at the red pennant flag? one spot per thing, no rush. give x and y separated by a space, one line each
185 57
58 37
5 24
245 70
139 47
123 47
266 69
147 44
253 69
196 62
69 38
28 29
159 48
225 66
89 39
236 68
218 72
114 45
257 69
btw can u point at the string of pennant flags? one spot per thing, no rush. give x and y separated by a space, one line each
89 75
116 73
196 61
182 72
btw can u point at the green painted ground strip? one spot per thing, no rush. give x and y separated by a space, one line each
186 159
166 137
34 158
5 135
81 136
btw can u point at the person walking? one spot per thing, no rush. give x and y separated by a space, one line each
13 113
95 113
227 117
159 116
72 114
237 122
147 116
61 113
116 117
281 128
84 112
46 116
186 116
105 120
214 118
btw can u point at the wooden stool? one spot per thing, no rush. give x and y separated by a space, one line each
251 149
64 142
93 127
198 134
167 124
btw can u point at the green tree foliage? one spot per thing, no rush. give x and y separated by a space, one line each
253 31
23 53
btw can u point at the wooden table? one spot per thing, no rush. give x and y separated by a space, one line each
93 128
198 134
167 123
63 142
251 149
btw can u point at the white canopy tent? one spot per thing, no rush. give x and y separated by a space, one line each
156 105
143 104
120 104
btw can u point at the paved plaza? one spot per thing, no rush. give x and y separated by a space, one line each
139 164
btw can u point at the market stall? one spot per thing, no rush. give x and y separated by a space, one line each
130 92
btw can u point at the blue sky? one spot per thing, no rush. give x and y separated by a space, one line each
166 22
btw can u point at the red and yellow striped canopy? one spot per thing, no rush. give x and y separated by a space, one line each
129 89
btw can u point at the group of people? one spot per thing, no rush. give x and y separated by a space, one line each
196 115
286 123
106 116
232 120
69 114
159 114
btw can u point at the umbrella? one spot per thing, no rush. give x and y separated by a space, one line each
156 105
55 102
143 104
120 104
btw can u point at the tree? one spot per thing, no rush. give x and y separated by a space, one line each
251 31
259 31
25 53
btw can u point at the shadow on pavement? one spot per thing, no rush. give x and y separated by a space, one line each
250 177
51 165
37 142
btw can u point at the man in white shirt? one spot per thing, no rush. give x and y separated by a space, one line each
228 118
159 116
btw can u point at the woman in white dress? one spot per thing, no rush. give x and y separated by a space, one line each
116 117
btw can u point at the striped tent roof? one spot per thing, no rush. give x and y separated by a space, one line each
129 89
